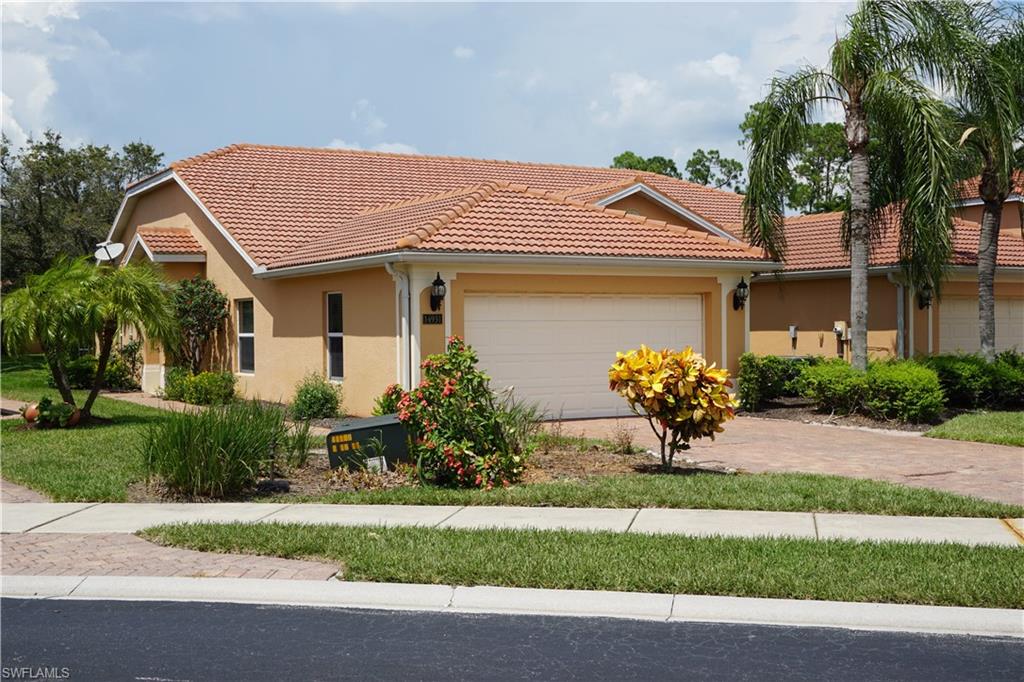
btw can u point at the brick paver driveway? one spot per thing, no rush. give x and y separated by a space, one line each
994 472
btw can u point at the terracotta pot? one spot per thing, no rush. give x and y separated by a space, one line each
73 419
31 413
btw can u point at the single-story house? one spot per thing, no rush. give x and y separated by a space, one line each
804 308
356 265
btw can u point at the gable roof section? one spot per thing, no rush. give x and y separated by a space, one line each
273 200
165 244
969 195
813 242
506 218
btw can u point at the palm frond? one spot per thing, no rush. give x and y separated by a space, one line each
920 192
791 104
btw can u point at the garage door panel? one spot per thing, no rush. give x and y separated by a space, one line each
959 326
556 349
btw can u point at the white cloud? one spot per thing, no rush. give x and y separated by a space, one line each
463 52
39 15
365 115
28 87
393 147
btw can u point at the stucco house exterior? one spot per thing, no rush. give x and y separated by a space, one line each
330 257
804 308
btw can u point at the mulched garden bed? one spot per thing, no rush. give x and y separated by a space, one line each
802 410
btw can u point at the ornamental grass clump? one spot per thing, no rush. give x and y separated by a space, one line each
222 451
681 396
461 432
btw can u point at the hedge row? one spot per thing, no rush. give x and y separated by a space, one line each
907 390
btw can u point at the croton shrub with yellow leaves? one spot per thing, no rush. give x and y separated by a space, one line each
681 396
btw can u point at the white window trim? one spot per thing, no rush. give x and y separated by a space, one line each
239 335
334 335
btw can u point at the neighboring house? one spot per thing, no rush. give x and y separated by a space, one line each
329 258
804 309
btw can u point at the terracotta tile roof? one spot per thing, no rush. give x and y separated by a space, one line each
274 200
813 242
170 240
968 189
501 217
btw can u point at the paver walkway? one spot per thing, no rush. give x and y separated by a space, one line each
79 518
12 492
82 554
994 472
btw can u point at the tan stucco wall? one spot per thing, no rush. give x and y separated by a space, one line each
708 287
814 305
1010 222
290 313
650 209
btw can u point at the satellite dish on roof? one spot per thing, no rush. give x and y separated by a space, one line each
108 251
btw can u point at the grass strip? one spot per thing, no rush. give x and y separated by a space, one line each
766 492
903 573
1001 428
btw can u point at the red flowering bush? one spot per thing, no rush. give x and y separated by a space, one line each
461 432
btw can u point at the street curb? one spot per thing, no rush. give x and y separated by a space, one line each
525 601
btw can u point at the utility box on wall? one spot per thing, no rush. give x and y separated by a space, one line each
375 443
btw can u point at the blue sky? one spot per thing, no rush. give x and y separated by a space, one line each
573 83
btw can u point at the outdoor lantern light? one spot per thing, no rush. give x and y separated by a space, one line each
924 297
739 297
437 292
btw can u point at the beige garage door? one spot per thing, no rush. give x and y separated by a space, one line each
958 324
556 349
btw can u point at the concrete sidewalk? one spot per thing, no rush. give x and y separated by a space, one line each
129 518
514 600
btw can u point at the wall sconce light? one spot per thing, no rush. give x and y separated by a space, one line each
437 293
924 298
739 296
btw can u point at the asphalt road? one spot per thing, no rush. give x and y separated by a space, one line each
162 641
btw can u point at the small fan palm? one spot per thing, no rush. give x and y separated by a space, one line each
875 78
131 296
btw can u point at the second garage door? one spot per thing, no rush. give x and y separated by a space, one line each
958 324
555 349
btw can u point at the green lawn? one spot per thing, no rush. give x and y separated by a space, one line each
796 569
96 463
1001 428
770 492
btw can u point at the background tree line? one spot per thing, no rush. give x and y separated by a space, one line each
60 200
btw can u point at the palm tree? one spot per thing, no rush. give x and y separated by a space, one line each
76 303
991 114
50 309
132 295
874 76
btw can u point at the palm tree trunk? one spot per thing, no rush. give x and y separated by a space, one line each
860 232
988 245
106 344
60 377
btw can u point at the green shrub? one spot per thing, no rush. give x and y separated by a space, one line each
1007 388
210 388
767 377
120 376
387 402
81 372
315 398
903 390
221 451
835 386
461 432
54 415
966 379
175 380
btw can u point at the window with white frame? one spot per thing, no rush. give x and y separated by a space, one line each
335 338
246 336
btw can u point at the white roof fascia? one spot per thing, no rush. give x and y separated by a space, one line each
167 176
672 206
520 259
